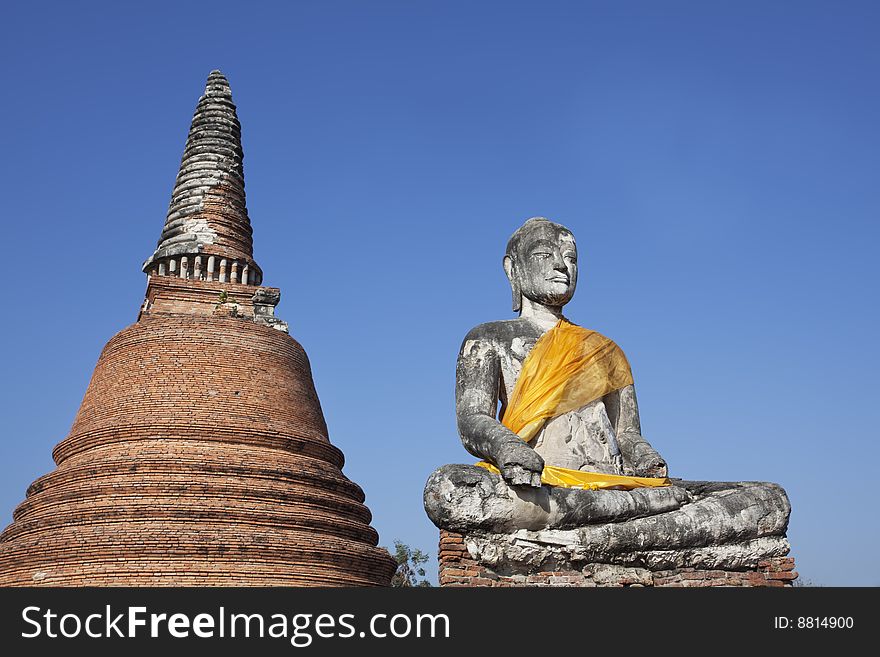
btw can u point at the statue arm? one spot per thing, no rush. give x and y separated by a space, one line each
638 455
477 382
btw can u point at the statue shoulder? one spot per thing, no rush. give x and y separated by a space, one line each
496 333
591 334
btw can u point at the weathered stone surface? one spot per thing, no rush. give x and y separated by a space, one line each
720 513
265 299
566 550
550 558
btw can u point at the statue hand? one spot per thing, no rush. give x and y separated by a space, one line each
520 465
650 464
639 458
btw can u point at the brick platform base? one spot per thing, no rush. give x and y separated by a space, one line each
458 568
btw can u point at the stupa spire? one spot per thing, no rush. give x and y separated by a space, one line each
208 214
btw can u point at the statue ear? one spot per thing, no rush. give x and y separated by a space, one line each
510 270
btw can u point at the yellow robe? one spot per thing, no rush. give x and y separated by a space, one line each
568 368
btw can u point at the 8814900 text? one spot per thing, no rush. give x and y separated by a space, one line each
814 623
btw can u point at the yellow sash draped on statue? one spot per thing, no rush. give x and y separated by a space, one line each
568 368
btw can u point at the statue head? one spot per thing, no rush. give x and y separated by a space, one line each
541 263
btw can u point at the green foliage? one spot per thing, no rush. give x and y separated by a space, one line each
225 298
409 566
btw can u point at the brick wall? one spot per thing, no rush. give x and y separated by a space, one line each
171 295
199 456
458 568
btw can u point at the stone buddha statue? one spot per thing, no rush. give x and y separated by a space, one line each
564 453
603 435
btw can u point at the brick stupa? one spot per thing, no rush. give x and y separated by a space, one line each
200 454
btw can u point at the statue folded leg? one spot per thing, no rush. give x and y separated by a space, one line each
728 525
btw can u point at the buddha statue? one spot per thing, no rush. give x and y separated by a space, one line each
603 435
565 451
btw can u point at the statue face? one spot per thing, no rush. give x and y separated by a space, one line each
546 266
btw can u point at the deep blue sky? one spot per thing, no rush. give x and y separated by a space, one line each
718 163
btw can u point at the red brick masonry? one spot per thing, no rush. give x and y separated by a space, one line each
199 456
458 568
